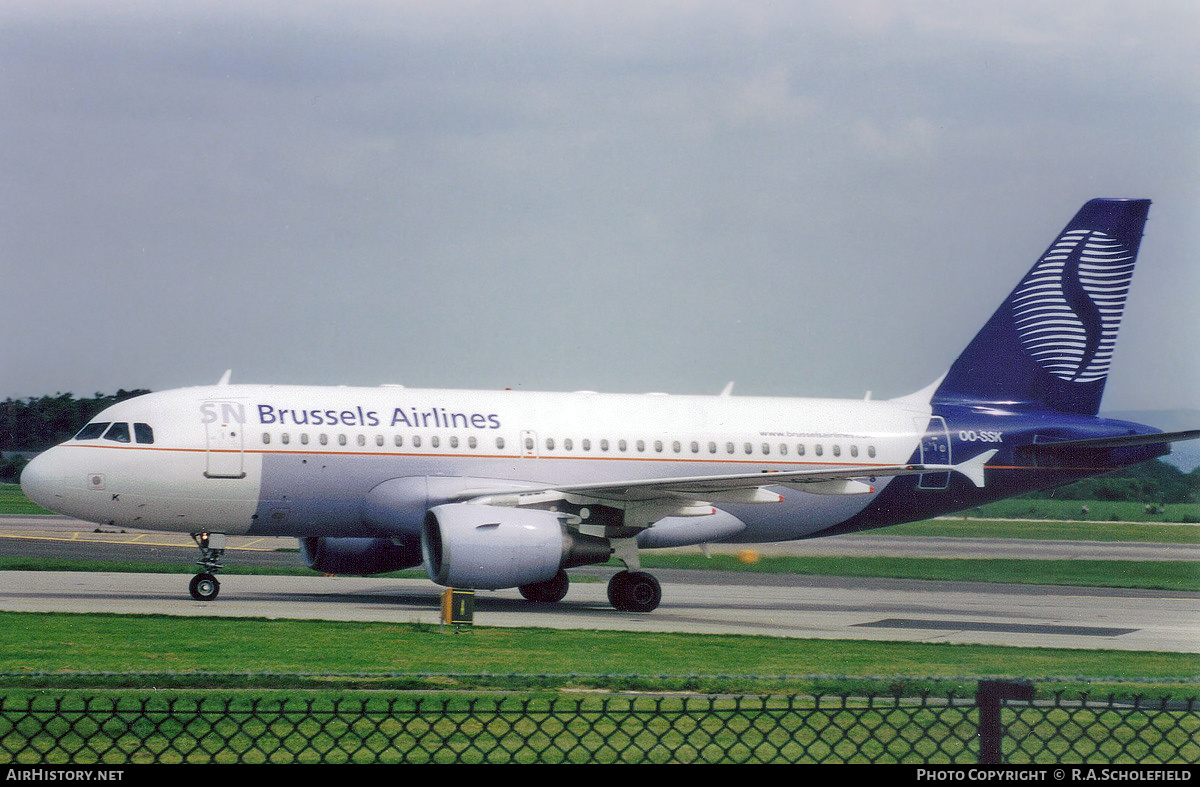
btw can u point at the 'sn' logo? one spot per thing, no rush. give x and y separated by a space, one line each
225 412
1068 309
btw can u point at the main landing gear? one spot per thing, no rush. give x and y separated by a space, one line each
551 591
204 586
628 591
634 591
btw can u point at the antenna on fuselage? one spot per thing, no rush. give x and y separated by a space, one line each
728 389
225 377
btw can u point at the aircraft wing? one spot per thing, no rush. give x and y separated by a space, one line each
729 488
707 486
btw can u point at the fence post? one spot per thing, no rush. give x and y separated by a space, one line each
990 697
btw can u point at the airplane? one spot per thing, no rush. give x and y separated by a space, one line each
509 489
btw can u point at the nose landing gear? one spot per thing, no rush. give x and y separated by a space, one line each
204 586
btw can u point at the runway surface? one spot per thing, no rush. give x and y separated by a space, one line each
693 601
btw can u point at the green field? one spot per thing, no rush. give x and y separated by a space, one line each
117 651
13 501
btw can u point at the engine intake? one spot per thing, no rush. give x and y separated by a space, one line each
490 547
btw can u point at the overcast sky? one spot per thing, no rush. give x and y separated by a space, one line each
817 199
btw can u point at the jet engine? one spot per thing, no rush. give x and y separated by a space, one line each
490 547
359 556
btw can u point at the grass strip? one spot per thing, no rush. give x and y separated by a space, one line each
13 501
259 652
1091 510
1040 530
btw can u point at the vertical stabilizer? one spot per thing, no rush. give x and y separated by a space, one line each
1050 344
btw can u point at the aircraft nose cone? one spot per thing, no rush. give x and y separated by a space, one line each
39 481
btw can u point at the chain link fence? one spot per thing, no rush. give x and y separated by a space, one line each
1001 723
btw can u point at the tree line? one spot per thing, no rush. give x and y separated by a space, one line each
1153 483
36 423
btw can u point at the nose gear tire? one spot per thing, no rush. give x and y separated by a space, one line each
204 587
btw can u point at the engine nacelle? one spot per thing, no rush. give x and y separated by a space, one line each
490 547
359 556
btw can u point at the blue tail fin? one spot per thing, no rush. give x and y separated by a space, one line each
1050 344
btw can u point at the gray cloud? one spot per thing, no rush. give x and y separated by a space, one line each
812 199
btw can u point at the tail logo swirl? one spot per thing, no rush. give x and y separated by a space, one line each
1068 309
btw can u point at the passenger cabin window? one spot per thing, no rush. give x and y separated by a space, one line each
92 431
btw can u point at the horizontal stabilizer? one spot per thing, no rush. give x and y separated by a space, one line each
1120 441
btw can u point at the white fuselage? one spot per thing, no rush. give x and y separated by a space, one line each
302 461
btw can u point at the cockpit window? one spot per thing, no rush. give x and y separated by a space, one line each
143 433
92 430
118 433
